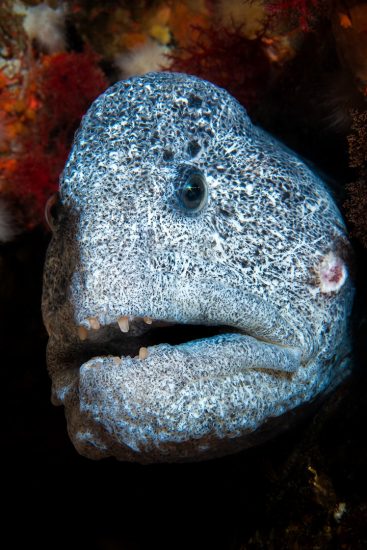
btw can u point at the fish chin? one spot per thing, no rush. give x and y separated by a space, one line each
171 396
170 402
191 386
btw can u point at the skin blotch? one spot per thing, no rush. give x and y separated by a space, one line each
332 273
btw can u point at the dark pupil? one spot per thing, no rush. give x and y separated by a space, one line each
193 191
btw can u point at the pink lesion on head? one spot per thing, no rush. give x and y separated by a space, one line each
332 273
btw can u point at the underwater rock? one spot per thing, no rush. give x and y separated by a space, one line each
197 292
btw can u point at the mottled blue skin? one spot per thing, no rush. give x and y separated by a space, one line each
266 256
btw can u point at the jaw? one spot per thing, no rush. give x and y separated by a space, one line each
188 402
197 392
228 364
192 395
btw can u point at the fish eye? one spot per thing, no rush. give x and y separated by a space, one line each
192 191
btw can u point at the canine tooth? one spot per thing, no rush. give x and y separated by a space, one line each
123 323
143 353
94 323
82 333
148 320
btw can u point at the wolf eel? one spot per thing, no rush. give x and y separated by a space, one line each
197 288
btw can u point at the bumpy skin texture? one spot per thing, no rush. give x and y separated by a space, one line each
267 255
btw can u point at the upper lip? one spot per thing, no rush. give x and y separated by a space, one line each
213 308
139 333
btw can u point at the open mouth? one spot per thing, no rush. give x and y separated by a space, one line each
134 339
137 338
152 385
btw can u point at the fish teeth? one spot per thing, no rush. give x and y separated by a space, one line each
143 353
94 323
82 333
123 323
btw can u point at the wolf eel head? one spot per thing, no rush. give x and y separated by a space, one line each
196 288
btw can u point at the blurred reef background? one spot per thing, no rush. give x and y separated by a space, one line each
300 69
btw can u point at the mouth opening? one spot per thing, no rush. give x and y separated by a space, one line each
110 341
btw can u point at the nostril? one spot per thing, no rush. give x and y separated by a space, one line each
51 210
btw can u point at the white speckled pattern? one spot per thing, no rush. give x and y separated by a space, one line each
267 256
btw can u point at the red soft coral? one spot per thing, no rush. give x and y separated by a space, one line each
68 83
302 11
60 89
230 60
